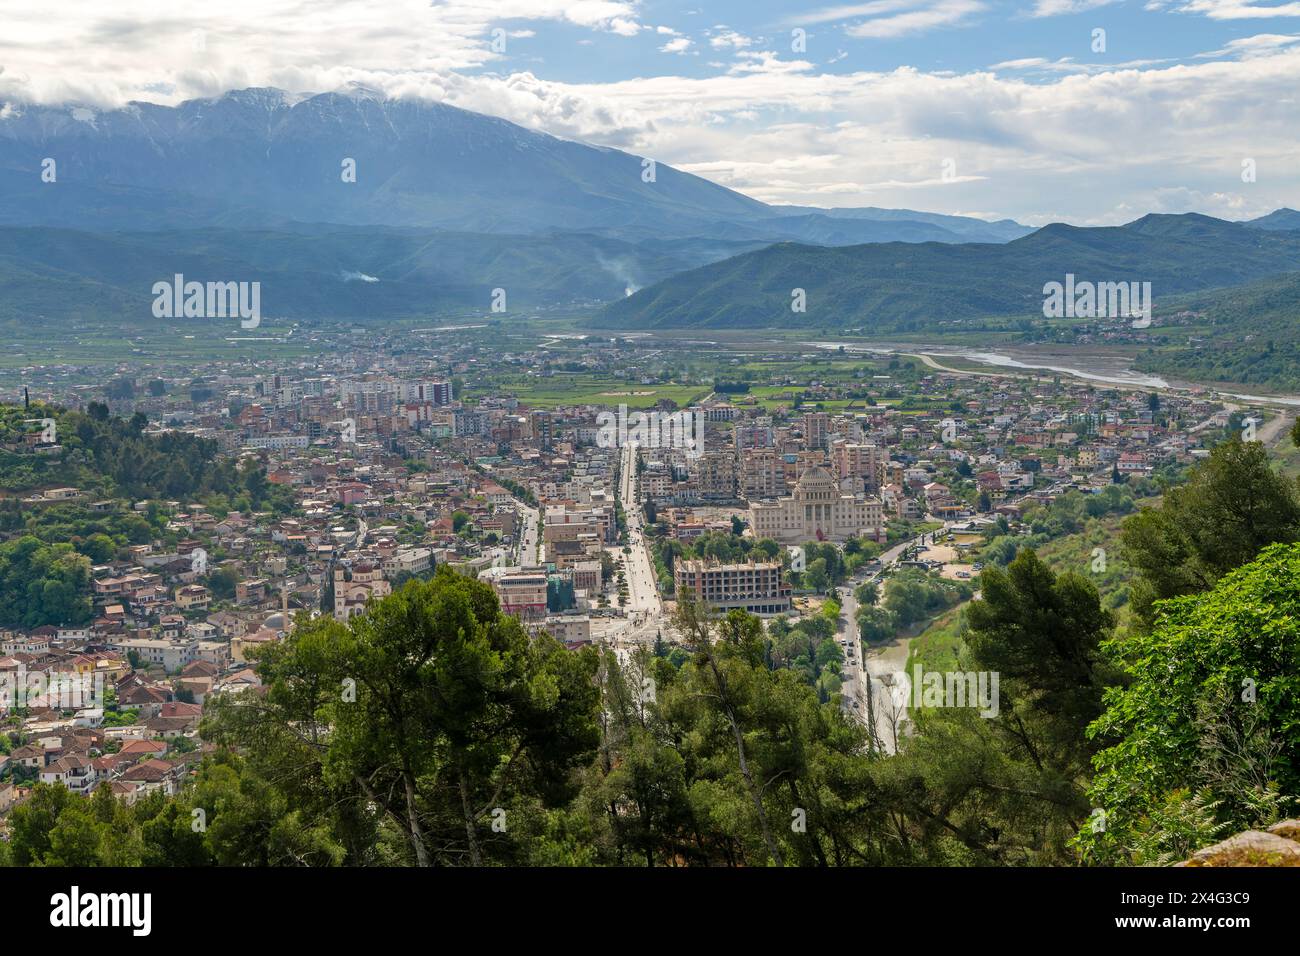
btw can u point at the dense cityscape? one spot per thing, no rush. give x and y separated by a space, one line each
356 475
446 445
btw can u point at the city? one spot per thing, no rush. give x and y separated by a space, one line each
603 440
383 470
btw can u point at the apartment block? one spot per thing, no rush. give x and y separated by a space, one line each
755 586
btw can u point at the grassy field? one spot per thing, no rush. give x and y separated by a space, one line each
166 343
939 645
692 372
1288 456
577 388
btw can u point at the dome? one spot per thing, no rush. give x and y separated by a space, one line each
815 477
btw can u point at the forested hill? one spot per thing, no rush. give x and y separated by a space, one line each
1248 334
929 286
106 455
48 545
328 272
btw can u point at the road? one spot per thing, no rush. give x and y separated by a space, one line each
644 608
875 672
529 551
929 362
1275 428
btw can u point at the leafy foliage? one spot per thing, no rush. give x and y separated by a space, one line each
433 711
1213 705
1232 506
43 584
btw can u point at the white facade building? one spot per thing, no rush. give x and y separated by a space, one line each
817 511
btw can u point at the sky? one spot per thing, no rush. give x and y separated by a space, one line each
1094 112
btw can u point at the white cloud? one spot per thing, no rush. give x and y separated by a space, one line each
1068 64
1141 134
677 45
1056 8
1240 9
1262 44
766 61
623 27
730 39
836 14
1027 63
133 46
940 13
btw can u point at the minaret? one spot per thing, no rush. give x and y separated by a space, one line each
284 607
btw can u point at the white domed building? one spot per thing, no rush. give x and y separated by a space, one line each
817 511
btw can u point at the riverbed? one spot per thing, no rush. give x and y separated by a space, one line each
1088 366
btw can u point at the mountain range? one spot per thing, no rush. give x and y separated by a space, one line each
895 287
259 158
331 272
447 205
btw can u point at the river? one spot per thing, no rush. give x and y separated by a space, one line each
1110 370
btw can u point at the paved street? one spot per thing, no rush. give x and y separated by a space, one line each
875 671
530 550
645 610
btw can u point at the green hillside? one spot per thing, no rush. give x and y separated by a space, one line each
327 272
896 287
1248 334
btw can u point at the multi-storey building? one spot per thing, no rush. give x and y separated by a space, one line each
819 511
753 436
756 586
73 771
408 561
717 475
762 474
858 465
816 426
569 524
171 655
522 593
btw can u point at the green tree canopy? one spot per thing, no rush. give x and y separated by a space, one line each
1232 506
1210 712
434 709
